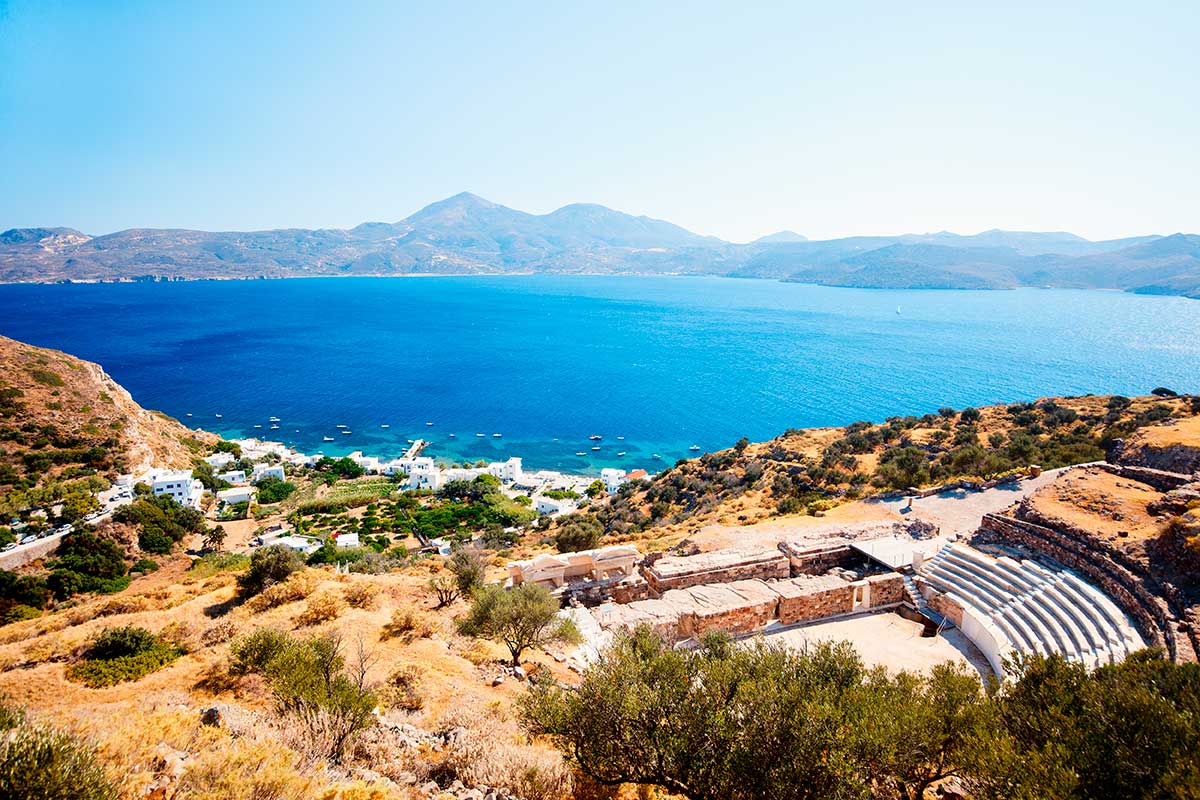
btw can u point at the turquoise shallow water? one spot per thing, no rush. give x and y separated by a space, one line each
548 360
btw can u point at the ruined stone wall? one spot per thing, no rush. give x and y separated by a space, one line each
671 572
803 599
1114 572
944 606
818 559
1161 480
887 589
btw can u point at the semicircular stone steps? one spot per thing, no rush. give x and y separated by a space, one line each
1011 605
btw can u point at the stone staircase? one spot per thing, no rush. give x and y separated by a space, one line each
1023 606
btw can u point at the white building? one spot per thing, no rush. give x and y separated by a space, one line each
612 478
422 471
304 544
218 460
267 471
507 471
233 476
348 540
178 485
548 505
238 494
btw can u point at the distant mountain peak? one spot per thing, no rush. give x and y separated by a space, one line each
780 237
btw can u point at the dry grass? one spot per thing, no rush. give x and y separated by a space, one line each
409 622
322 607
298 586
360 594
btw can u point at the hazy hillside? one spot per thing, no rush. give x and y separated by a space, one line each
467 234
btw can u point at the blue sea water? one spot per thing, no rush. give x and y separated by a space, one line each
549 360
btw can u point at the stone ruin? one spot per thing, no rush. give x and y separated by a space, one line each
586 575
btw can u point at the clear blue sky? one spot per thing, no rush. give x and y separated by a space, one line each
731 119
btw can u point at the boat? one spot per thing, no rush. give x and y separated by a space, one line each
258 426
429 424
620 438
219 416
346 432
327 439
189 413
657 457
595 437
595 448
497 435
385 425
621 453
273 419
581 453
339 426
274 427
481 435
408 441
897 309
694 447
453 436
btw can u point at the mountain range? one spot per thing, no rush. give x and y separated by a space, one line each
466 234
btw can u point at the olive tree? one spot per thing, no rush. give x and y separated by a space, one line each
522 617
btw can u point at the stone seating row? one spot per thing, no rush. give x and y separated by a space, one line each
1027 607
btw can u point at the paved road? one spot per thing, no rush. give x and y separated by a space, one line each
960 511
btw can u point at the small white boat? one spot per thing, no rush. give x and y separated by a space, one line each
453 436
339 426
274 427
258 426
189 413
595 437
595 448
327 439
429 424
273 419
219 416
581 453
385 425
621 453
481 435
657 457
408 441
620 438
497 435
346 432
694 447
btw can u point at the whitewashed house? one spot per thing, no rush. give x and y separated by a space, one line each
179 485
233 476
612 478
348 540
218 460
552 507
507 471
267 471
238 494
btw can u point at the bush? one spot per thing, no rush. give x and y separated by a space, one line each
408 623
403 688
273 490
468 567
522 617
211 564
118 655
17 613
580 532
360 595
298 586
38 763
144 565
253 652
322 607
269 566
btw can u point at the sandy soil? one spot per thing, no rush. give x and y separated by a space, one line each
892 641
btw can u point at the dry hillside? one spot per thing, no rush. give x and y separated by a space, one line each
61 416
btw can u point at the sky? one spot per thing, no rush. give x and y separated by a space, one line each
731 119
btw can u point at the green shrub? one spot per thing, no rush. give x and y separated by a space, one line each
255 651
214 563
273 490
144 565
17 613
119 655
38 763
268 566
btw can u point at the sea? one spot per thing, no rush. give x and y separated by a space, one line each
534 366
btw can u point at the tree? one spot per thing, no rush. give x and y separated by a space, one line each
214 538
522 617
1162 391
741 444
578 532
969 415
445 588
596 489
272 490
268 566
468 567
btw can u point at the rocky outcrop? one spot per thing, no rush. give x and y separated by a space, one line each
1172 447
